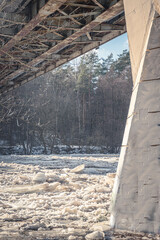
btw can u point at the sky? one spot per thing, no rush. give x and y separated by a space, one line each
115 46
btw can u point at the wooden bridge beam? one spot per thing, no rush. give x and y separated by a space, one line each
62 59
50 7
105 16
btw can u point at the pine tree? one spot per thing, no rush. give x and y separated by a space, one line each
122 61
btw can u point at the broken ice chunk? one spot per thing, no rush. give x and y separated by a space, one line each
70 210
101 226
71 237
33 189
39 178
95 236
78 169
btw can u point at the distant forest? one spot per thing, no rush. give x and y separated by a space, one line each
81 104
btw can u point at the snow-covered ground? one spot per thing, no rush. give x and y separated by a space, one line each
58 149
56 197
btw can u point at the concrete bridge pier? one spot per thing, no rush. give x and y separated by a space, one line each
136 193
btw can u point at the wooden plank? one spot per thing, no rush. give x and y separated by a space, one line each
76 15
89 36
81 5
69 16
98 4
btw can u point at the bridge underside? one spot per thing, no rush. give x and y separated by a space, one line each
38 36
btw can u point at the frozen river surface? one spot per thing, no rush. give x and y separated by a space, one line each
58 197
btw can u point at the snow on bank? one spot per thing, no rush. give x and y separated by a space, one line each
58 149
48 196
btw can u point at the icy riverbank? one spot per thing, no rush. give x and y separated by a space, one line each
48 197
